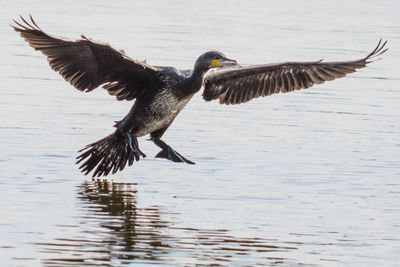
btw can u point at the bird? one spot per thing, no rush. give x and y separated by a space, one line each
161 92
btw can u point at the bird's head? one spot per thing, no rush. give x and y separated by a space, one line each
214 59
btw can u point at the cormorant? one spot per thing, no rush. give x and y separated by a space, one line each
162 92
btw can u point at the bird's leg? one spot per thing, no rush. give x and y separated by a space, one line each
168 153
134 145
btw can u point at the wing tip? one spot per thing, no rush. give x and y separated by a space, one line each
25 25
378 51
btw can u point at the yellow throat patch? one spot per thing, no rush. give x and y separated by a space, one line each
215 63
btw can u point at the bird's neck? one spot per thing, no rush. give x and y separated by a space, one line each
197 77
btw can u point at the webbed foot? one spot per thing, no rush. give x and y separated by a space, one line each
168 153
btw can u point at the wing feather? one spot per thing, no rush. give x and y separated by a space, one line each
237 85
86 64
270 90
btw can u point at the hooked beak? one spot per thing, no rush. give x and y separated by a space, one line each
228 62
223 62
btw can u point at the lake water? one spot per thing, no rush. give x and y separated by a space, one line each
310 178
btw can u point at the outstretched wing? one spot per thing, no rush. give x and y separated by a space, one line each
86 64
241 84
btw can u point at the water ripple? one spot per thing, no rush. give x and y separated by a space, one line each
114 230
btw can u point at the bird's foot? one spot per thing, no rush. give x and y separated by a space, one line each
169 153
133 144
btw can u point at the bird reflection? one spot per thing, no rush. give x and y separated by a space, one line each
112 230
136 230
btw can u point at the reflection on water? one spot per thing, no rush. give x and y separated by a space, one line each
131 229
116 231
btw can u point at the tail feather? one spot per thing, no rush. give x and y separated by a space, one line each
106 155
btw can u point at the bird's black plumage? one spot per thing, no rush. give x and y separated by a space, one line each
160 93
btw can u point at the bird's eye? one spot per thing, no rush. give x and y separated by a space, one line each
217 57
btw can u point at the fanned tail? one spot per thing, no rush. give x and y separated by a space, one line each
109 154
